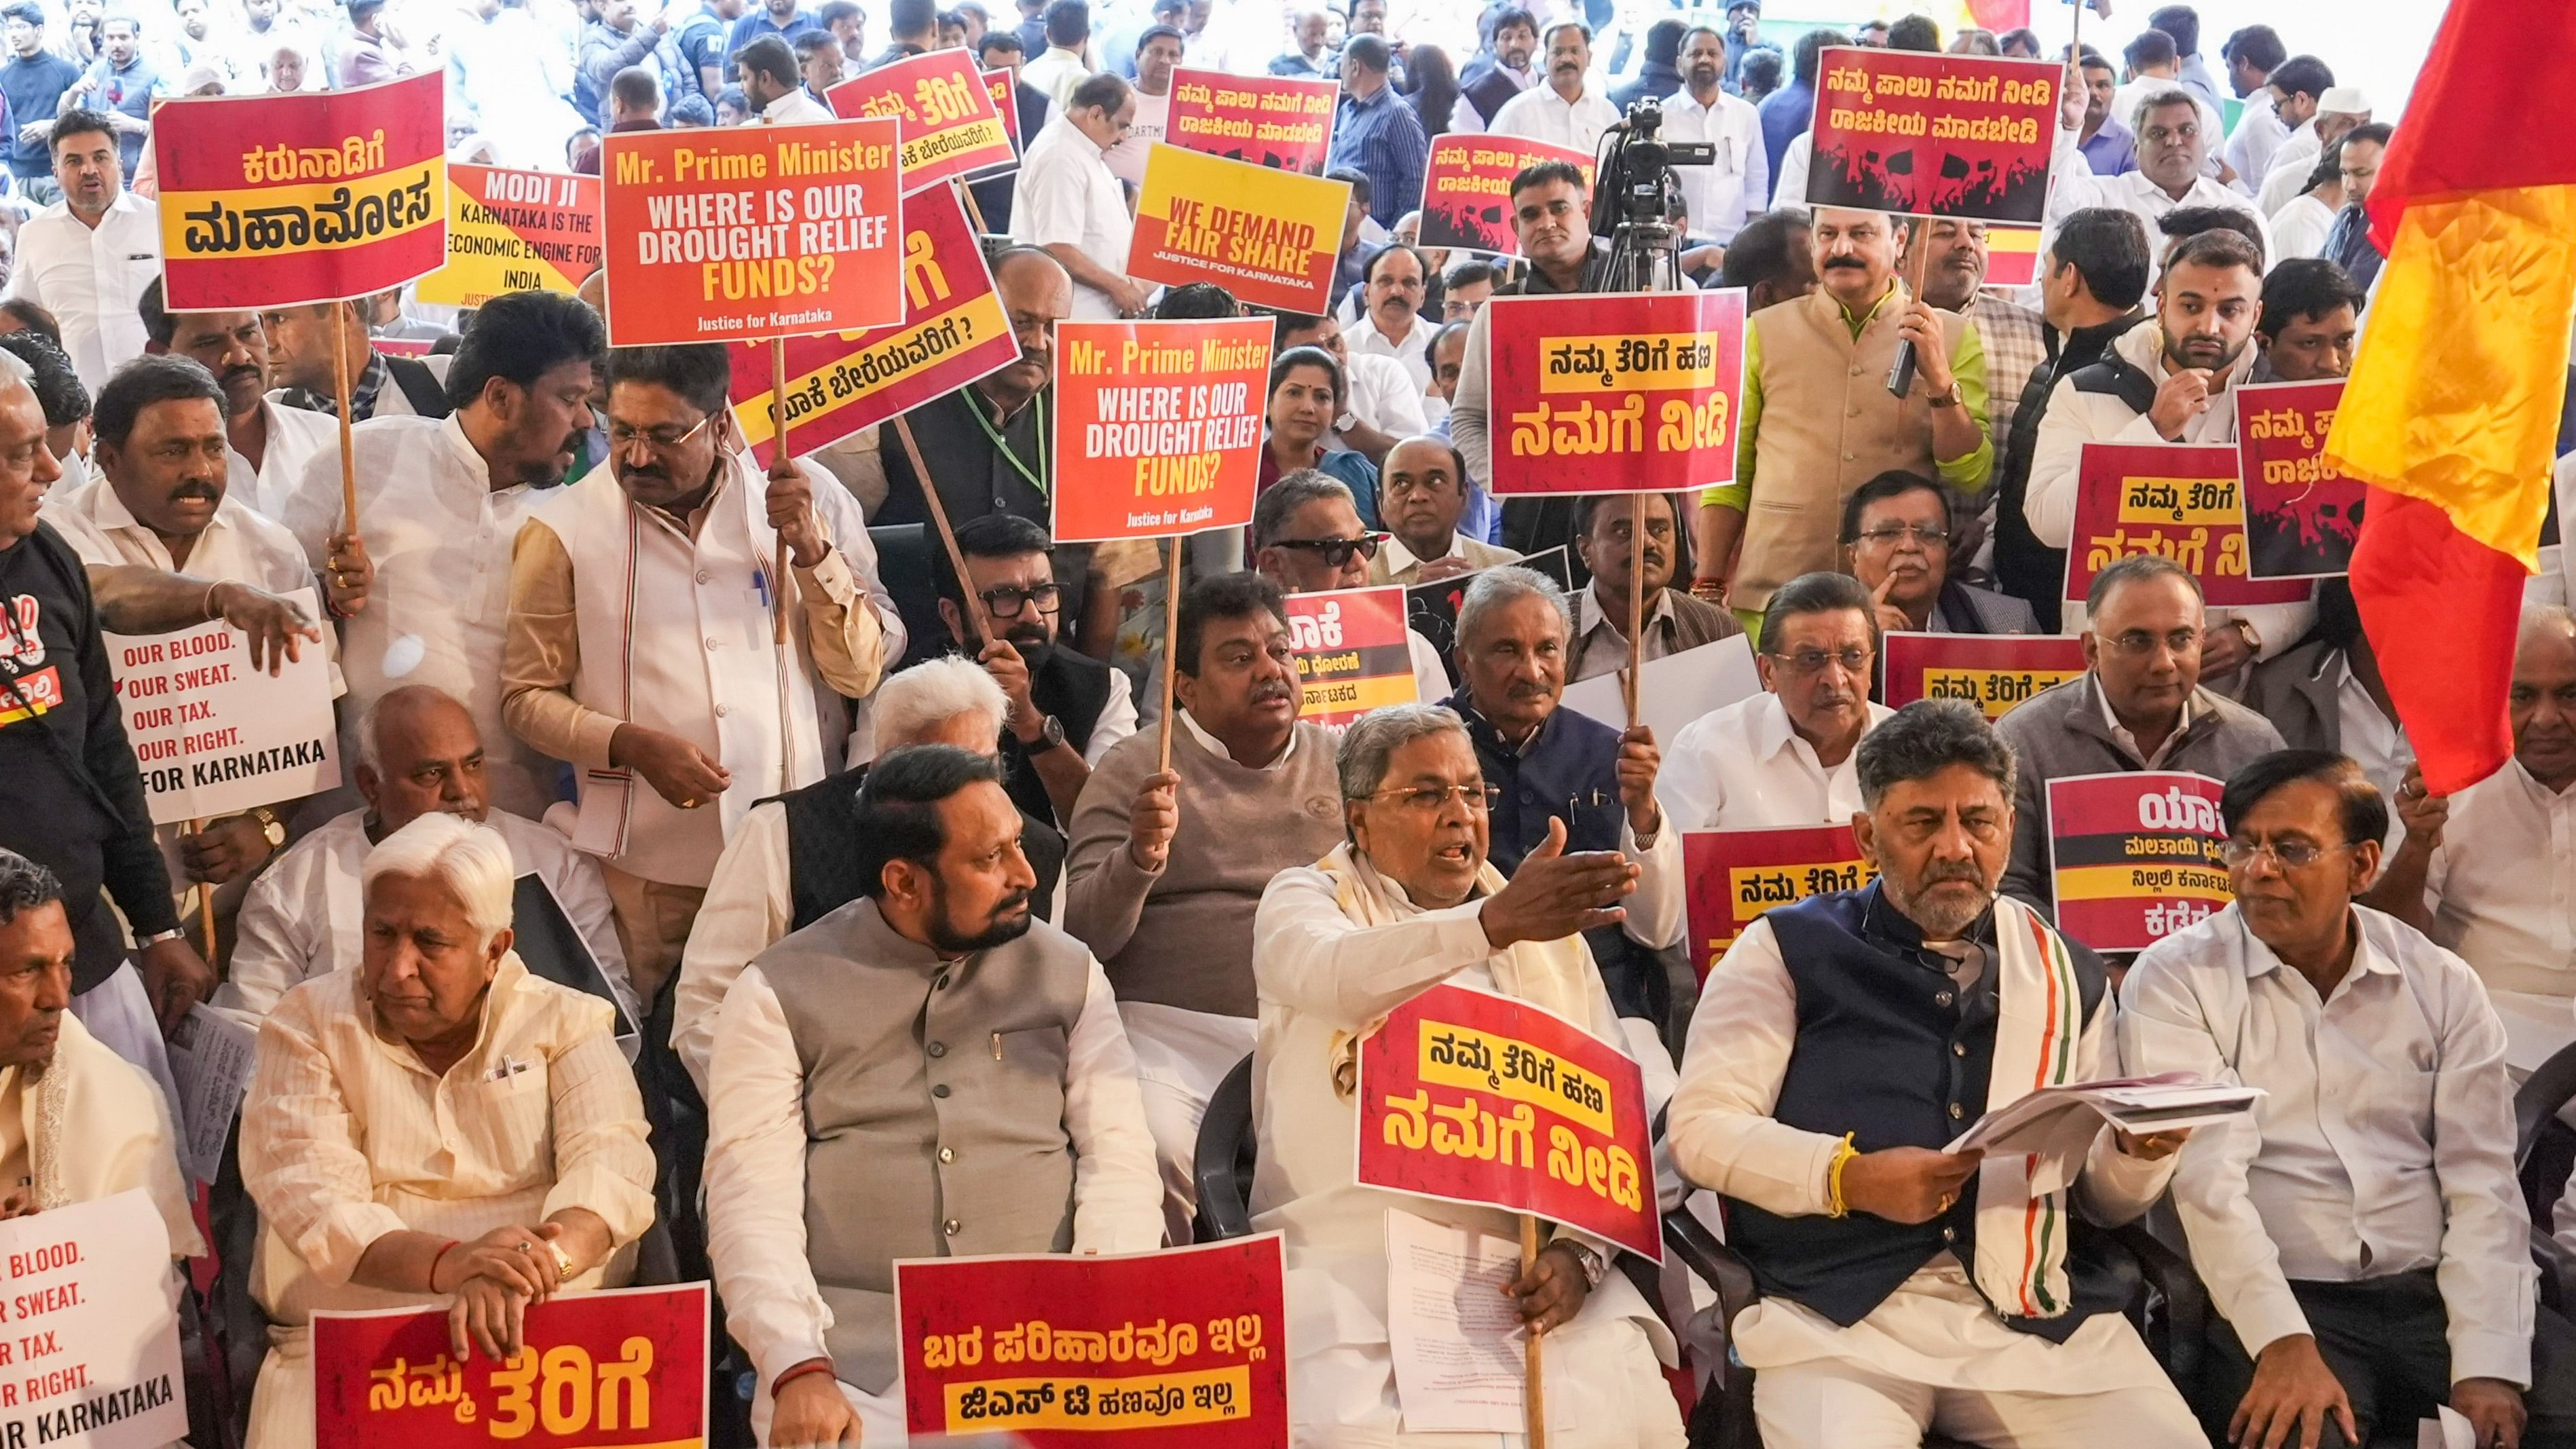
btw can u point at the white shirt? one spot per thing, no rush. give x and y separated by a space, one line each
2383 1143
2291 165
755 1181
2213 127
2502 884
795 109
1722 197
2374 741
2258 138
90 278
1363 339
1153 117
1053 74
294 437
1383 393
440 537
1745 767
2132 192
1068 196
304 914
1540 114
2300 229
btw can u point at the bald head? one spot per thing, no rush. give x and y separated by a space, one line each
2542 704
27 468
1421 493
1036 293
419 754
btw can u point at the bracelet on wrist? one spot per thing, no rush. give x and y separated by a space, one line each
809 1366
1835 1204
435 1261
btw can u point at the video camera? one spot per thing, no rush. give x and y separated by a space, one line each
1635 184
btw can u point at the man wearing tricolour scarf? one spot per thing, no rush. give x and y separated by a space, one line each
1838 1045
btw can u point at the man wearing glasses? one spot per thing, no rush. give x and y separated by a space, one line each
2137 706
1067 708
1896 541
1784 757
1307 538
2361 1231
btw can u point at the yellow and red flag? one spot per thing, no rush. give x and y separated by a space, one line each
2451 414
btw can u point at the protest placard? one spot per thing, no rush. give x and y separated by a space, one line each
1994 672
2012 256
2134 856
1353 654
93 1347
1282 122
275 201
1964 136
1268 237
216 736
1186 1348
1673 690
1158 426
754 232
953 332
1736 875
1467 189
2302 514
515 231
1431 610
1451 1088
946 120
621 1369
1623 394
1002 86
2178 500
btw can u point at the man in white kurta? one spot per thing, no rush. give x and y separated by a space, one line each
643 639
1070 203
1839 1044
88 257
1567 110
1408 903
418 753
1785 756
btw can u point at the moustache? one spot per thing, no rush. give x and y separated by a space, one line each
1852 263
246 370
1964 871
207 491
1265 693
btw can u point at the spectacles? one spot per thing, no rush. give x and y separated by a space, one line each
1813 661
1007 601
2287 854
1479 798
2139 641
1889 535
2168 135
660 440
1334 553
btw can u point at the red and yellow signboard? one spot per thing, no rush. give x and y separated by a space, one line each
1002 86
625 1369
1353 654
756 231
1622 394
273 201
515 231
2302 513
2012 256
1267 236
1186 1348
1736 875
1282 122
1994 672
1964 136
943 113
1472 1097
1467 189
2174 499
953 332
1157 426
2134 856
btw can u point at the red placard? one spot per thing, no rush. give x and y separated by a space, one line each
1353 654
1965 136
1467 189
2133 857
623 1369
1186 1348
2174 499
1276 121
1157 426
1471 1097
953 332
752 232
2302 513
1736 875
1002 86
944 115
1995 672
275 201
2012 256
1622 394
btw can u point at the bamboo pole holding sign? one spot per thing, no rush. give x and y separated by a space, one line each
1636 606
1171 636
967 612
205 903
348 459
1534 1399
778 461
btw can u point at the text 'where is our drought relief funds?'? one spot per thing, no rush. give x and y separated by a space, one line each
1158 426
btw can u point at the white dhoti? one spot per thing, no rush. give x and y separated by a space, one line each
1934 1357
1181 1059
880 1415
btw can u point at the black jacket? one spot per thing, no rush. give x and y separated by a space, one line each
2026 568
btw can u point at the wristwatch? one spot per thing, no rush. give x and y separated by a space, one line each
1347 421
1948 397
1594 1270
145 943
1050 736
272 829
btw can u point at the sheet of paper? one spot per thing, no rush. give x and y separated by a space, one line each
211 1056
1676 689
1455 1338
2451 1431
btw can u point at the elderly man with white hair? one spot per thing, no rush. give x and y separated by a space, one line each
1406 903
788 864
434 1127
418 753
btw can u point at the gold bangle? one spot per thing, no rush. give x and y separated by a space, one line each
1835 1206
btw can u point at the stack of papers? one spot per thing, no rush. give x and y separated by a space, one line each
2058 1124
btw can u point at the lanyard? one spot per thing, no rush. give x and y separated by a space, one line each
1037 480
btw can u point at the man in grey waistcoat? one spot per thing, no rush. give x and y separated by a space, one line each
927 1071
